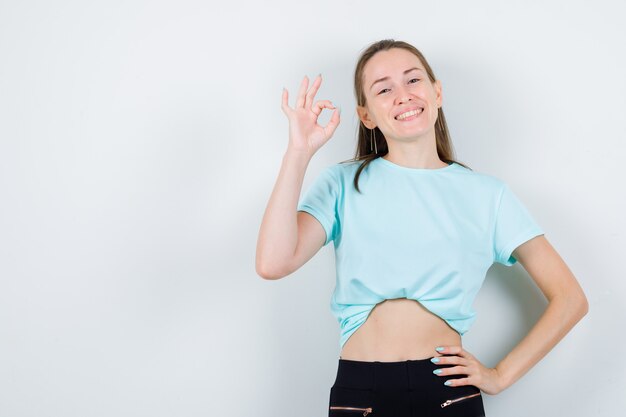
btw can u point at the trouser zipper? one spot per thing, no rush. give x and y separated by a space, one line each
448 402
366 411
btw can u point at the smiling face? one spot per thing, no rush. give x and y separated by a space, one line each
400 99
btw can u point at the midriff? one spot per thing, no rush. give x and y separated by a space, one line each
397 330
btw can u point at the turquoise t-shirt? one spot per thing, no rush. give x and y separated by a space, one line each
425 234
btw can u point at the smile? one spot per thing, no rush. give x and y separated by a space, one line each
409 114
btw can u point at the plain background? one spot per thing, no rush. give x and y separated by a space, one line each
139 144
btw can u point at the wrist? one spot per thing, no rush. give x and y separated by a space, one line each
503 380
303 155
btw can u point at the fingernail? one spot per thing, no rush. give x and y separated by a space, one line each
437 371
434 360
439 348
448 383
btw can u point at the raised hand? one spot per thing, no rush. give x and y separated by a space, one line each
305 134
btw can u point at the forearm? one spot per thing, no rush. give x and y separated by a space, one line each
562 313
278 234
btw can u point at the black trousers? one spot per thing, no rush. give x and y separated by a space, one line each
400 389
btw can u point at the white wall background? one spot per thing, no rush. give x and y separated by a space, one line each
139 144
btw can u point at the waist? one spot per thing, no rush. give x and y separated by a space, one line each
398 330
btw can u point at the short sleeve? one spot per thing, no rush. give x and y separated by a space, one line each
514 225
320 200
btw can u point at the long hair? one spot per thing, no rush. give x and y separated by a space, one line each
364 151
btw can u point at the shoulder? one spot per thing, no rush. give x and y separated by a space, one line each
335 177
349 165
480 180
342 171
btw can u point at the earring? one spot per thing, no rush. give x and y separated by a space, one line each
373 142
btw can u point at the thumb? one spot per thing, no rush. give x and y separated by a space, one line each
332 124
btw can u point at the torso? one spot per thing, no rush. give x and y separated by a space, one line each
397 330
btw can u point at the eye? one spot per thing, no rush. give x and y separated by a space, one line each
410 82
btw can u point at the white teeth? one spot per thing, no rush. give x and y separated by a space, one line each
409 114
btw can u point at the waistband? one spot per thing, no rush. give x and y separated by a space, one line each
411 374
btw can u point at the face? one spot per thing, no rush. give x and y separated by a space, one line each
405 87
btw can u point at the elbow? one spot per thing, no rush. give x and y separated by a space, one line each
579 303
269 270
264 266
584 305
574 304
573 300
266 272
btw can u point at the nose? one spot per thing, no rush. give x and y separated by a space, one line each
403 96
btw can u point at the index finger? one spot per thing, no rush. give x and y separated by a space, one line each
310 96
303 86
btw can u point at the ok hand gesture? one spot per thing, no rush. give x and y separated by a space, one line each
305 134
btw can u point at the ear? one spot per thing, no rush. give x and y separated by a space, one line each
365 117
438 93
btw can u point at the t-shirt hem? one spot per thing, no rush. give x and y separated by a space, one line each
321 219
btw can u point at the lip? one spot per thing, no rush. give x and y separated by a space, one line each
409 109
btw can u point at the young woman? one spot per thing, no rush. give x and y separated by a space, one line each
414 233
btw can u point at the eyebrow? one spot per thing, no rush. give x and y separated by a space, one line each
386 78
